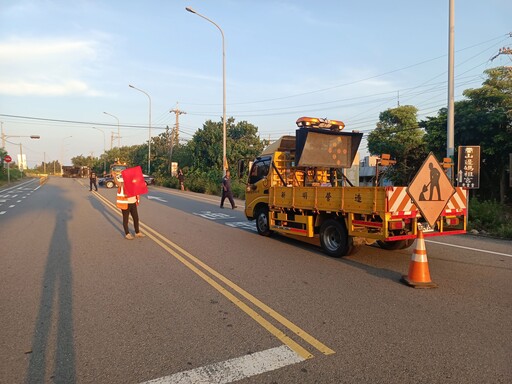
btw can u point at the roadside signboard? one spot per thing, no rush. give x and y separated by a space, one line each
174 169
7 158
468 175
430 189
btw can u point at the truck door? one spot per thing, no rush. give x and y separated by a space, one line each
258 183
259 170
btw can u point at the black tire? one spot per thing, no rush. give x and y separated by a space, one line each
262 222
109 184
334 238
395 245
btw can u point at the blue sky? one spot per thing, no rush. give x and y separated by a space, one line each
64 63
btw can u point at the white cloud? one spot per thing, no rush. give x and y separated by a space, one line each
46 67
23 88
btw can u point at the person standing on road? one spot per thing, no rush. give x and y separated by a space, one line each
92 181
226 191
128 206
181 179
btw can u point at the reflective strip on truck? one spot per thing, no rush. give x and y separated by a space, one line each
400 204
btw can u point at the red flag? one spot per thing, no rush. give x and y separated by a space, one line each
134 183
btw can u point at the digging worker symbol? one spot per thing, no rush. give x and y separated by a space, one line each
434 183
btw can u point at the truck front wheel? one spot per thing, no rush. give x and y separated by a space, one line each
262 222
109 184
334 238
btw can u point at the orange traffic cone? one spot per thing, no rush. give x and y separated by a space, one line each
419 275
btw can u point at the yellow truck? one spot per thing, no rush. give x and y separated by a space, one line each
297 188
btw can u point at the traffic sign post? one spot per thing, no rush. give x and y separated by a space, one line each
8 159
468 175
431 189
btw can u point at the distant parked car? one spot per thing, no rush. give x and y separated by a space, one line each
106 181
150 180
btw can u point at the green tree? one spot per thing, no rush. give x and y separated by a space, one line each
3 165
485 119
80 161
398 134
206 146
203 154
243 142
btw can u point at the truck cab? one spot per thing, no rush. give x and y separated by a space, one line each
116 168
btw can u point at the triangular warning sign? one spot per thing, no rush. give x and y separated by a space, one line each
431 189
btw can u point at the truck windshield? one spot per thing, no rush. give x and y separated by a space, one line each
259 170
118 168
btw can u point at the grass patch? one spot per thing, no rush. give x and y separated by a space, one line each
490 217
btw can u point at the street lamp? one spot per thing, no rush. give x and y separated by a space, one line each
104 150
4 137
224 159
118 133
149 141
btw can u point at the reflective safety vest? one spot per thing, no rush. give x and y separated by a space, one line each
123 200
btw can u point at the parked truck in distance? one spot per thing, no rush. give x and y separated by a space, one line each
297 188
75 172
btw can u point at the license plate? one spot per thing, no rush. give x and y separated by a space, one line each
425 227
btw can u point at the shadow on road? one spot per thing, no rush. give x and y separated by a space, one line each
359 259
57 292
379 272
108 214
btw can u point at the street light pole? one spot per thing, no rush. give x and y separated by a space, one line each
149 140
118 132
224 158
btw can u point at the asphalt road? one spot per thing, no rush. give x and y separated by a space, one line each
204 298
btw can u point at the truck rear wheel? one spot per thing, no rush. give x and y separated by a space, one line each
262 222
109 184
395 245
334 238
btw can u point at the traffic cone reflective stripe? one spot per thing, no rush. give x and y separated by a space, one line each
419 274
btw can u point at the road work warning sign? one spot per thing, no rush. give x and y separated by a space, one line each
430 189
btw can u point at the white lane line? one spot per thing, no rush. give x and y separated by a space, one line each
235 369
156 198
12 206
2 212
470 249
243 225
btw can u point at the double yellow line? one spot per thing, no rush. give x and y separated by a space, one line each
208 274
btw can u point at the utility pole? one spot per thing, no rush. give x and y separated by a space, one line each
111 139
450 131
3 135
503 51
177 130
